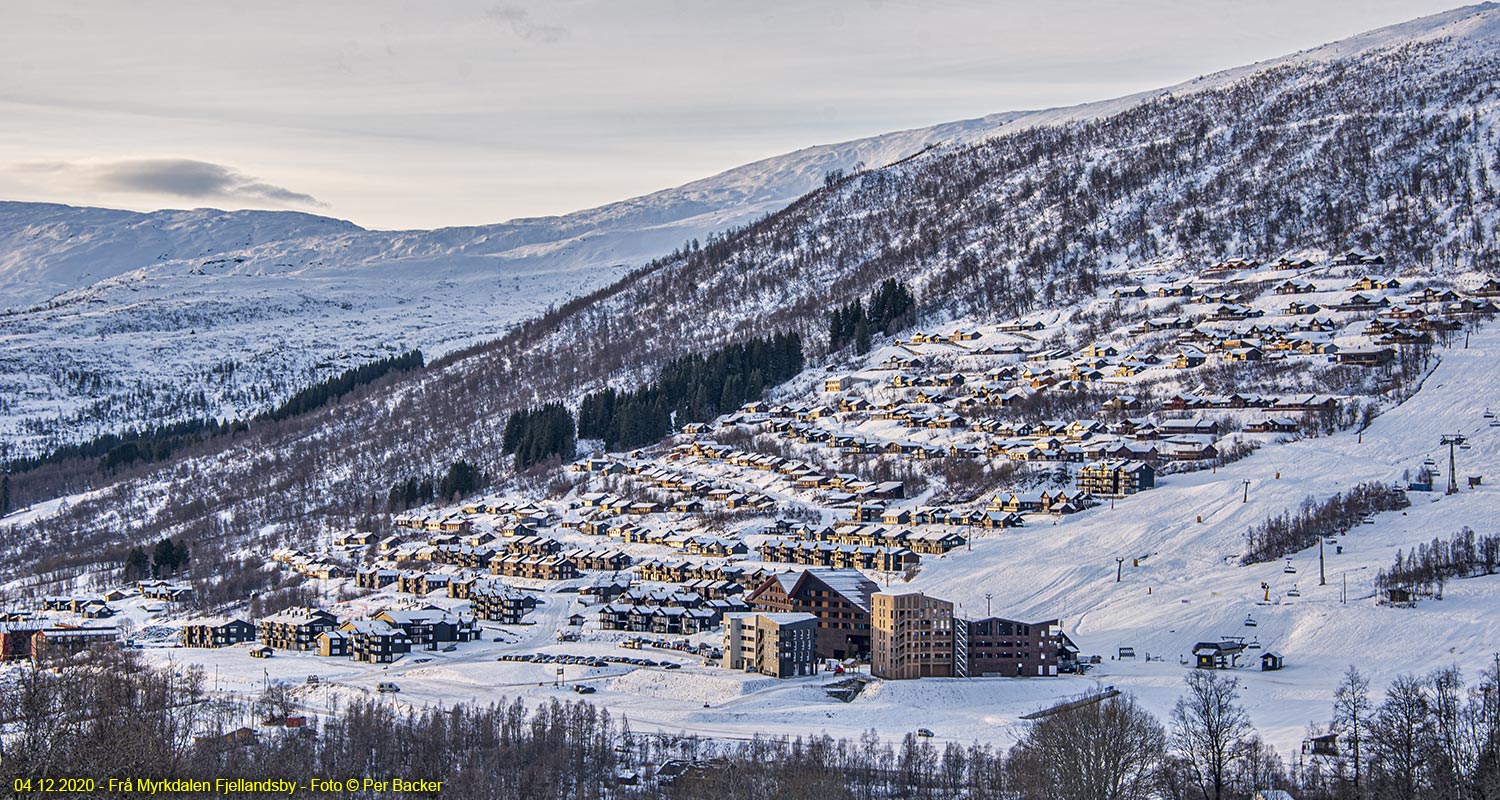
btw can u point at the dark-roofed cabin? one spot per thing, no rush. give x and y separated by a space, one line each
1217 655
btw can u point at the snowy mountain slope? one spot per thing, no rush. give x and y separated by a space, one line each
1188 587
78 287
48 249
289 482
1326 156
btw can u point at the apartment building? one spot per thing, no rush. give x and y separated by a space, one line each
911 636
839 598
777 644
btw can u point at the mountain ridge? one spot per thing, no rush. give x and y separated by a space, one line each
997 226
741 193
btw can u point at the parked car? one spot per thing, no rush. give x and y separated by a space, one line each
671 665
387 686
581 689
450 648
925 733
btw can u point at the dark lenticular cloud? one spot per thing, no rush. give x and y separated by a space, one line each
185 177
175 177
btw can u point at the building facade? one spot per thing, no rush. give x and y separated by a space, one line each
1116 478
217 632
782 645
375 641
839 598
911 636
1007 648
295 628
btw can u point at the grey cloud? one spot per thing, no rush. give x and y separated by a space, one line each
519 20
179 177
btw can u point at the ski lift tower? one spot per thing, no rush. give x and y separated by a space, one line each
1452 440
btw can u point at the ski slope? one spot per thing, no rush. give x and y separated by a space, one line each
1189 587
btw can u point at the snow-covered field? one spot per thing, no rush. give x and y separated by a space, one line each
1188 587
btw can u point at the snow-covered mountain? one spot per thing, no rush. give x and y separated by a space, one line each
1381 143
111 319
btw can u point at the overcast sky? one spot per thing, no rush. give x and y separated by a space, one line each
423 114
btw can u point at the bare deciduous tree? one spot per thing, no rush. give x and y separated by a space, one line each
1351 709
1103 751
1209 732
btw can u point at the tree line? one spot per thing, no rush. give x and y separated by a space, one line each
1432 736
693 388
1287 533
110 453
892 307
1423 570
330 389
166 559
535 435
461 478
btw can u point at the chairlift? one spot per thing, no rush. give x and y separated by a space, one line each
1250 621
1464 446
1294 591
1289 569
1254 644
1488 414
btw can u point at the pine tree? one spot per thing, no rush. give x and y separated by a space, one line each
163 559
137 564
461 479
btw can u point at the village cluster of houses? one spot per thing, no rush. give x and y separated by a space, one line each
45 636
680 492
381 638
930 396
668 611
